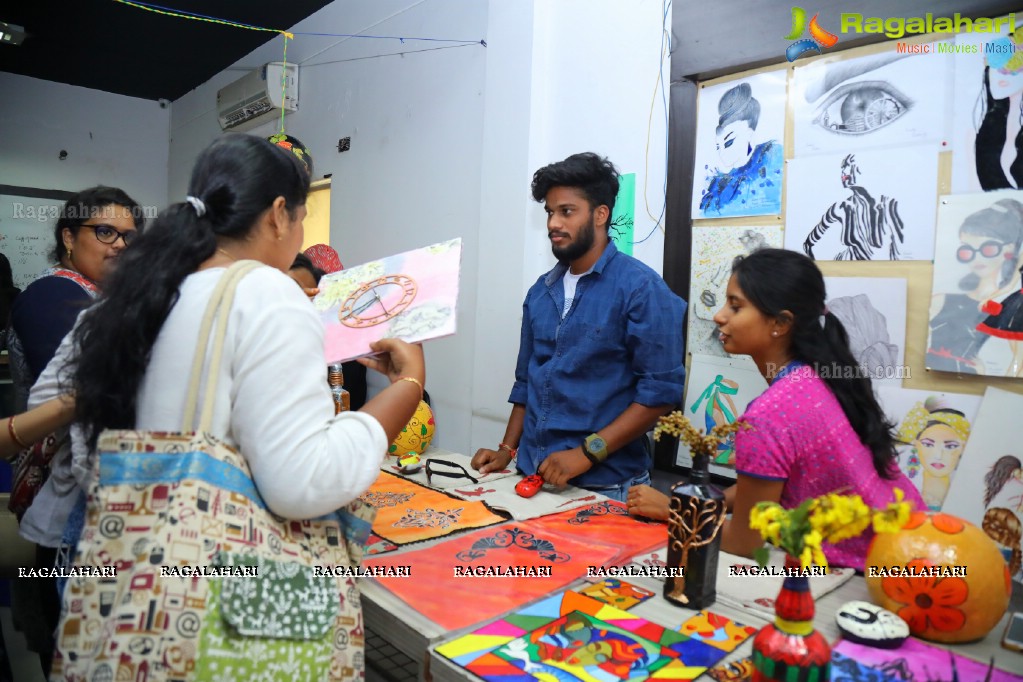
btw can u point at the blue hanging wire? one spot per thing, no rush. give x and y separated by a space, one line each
664 21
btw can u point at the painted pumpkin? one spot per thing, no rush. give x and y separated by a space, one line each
946 606
417 434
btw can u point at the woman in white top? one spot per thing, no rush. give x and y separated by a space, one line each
246 200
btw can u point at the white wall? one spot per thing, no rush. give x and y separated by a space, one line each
110 139
563 76
412 176
445 142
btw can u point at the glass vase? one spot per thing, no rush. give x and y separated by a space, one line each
791 649
697 511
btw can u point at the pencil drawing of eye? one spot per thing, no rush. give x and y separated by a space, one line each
862 107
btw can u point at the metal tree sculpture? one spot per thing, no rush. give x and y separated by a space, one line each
688 527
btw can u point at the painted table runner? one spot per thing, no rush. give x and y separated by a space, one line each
914 660
408 512
589 640
749 589
471 578
501 495
390 465
607 522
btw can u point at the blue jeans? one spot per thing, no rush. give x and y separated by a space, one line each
621 491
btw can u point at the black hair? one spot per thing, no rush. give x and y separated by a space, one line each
237 178
738 104
788 285
593 175
6 275
1002 220
87 204
304 262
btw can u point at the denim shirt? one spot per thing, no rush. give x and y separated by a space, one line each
620 343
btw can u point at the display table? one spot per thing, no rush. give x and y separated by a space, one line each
416 636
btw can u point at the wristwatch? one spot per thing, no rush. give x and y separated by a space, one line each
595 448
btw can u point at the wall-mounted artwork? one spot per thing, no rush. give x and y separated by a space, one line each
622 227
985 116
714 249
932 430
879 100
717 392
989 492
976 315
873 312
873 205
740 147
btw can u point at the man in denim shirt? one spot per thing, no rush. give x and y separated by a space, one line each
600 355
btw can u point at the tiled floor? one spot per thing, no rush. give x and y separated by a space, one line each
384 663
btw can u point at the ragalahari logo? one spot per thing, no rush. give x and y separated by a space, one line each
819 38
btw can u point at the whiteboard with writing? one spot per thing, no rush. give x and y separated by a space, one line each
26 234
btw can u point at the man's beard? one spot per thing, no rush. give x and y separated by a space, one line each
582 243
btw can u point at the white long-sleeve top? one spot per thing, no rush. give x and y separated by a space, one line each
272 399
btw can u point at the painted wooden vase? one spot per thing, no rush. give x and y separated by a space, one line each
791 650
942 575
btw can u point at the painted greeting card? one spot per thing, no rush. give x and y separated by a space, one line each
412 296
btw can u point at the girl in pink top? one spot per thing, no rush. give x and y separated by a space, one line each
818 427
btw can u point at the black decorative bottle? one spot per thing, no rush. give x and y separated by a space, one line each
696 514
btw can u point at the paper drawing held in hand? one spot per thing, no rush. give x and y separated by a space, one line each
866 224
377 301
411 296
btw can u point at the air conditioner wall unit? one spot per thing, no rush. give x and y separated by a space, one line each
258 97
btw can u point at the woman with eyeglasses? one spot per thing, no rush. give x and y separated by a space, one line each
94 227
990 246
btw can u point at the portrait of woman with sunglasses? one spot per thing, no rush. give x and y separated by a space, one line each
94 227
990 249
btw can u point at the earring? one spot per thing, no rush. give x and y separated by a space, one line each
774 333
68 252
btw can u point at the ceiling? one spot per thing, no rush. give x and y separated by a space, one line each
107 45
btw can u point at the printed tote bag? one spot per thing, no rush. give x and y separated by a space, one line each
186 575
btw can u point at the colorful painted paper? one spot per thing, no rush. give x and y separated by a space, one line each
607 522
914 660
932 430
411 296
408 512
718 390
461 571
622 227
569 634
617 593
733 671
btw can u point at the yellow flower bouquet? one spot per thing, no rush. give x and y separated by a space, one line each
829 518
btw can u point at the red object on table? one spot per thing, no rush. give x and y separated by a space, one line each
529 486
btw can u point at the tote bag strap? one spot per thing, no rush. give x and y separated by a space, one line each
218 310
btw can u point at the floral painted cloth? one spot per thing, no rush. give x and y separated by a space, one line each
408 512
607 522
478 570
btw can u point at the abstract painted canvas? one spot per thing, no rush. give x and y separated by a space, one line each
411 296
571 636
932 430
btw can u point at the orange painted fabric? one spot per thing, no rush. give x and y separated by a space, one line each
607 522
463 571
408 512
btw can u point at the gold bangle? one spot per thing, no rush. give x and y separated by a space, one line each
417 382
14 434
